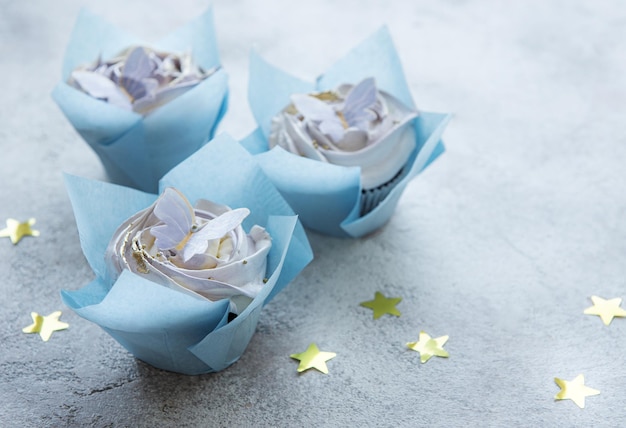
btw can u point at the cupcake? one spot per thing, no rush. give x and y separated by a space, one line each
181 277
142 107
342 149
353 125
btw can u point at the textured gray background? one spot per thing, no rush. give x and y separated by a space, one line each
499 244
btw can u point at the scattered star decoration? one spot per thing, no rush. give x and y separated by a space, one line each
382 305
574 390
45 325
313 358
606 309
429 347
16 230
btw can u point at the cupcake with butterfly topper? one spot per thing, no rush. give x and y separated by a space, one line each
342 149
182 276
142 107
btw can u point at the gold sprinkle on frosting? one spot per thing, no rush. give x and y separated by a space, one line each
326 96
141 264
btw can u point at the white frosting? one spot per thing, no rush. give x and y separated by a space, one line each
380 147
231 266
139 78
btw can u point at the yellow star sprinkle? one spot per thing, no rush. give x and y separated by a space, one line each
313 358
16 230
606 309
574 390
45 325
429 347
383 305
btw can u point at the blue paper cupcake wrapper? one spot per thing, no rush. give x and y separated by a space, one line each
329 198
138 150
161 326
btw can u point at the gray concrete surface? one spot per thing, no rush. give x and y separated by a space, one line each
499 244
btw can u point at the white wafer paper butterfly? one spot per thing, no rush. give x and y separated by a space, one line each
357 111
179 230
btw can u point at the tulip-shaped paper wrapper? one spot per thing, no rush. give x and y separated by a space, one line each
328 197
137 150
165 327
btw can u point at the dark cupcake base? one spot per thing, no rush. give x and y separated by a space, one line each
370 198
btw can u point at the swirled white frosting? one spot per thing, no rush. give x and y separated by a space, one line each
355 125
139 78
203 250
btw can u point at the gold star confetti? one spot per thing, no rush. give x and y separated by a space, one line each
45 325
383 305
574 390
313 358
429 347
606 309
16 230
